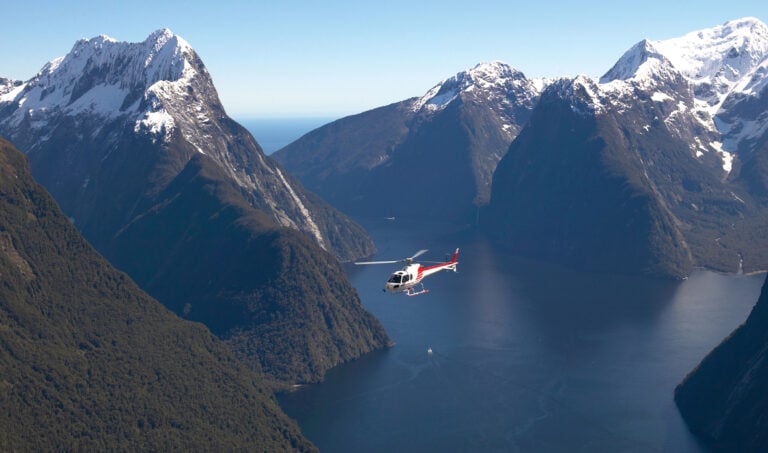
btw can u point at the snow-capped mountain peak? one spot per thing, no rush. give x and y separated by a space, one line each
493 73
642 62
103 76
705 73
728 51
486 76
717 61
158 93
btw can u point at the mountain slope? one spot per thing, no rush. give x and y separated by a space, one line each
659 112
282 304
132 141
90 362
724 68
426 158
568 191
105 108
724 400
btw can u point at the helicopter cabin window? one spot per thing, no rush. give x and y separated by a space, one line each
406 278
395 278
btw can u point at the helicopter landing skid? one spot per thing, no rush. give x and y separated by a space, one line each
414 292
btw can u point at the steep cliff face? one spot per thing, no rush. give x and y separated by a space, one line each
661 161
110 124
567 190
282 304
725 399
132 141
90 362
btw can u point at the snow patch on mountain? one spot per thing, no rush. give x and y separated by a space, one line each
9 89
726 156
102 99
436 99
156 123
304 211
658 96
584 94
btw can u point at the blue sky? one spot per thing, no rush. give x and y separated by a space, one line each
335 58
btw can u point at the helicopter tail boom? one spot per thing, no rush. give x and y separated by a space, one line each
449 265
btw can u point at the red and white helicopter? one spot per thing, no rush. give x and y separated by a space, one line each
406 279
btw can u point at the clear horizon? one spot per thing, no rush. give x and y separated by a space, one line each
304 59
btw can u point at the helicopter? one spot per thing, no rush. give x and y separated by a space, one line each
406 279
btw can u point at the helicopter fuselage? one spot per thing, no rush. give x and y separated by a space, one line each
412 274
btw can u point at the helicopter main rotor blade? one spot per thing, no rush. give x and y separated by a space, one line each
404 260
378 262
417 254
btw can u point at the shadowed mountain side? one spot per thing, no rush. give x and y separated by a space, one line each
725 399
422 158
424 170
337 160
89 362
568 191
281 302
753 173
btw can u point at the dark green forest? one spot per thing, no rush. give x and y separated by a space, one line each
89 362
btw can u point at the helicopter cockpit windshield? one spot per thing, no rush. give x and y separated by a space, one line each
399 277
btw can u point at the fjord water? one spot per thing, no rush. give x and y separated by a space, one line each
525 356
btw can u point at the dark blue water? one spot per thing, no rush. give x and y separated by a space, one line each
274 133
525 356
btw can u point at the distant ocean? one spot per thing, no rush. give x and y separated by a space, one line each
275 133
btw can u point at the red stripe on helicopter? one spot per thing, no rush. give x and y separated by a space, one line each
453 261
